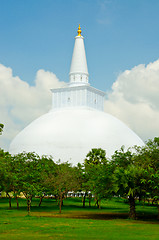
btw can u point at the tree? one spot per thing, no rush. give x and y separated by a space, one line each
6 174
96 156
48 166
65 178
148 158
1 128
30 171
98 175
128 174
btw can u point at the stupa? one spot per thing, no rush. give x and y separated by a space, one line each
77 121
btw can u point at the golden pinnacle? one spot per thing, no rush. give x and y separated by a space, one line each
79 31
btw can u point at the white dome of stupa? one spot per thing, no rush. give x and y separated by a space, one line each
69 134
77 122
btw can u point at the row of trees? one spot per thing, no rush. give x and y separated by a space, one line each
132 174
31 175
137 174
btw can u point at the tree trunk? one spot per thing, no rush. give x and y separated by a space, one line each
99 204
16 198
10 205
84 200
41 199
153 200
90 198
60 203
144 203
56 197
148 200
158 212
29 204
132 213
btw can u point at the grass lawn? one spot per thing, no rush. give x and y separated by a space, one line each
75 222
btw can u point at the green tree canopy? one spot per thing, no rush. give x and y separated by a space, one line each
30 172
63 179
98 174
128 174
6 174
1 128
148 159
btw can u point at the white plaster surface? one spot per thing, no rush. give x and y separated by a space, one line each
79 71
69 134
83 96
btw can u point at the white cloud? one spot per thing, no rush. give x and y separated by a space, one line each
21 103
134 99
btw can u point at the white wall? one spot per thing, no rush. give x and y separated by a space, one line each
80 96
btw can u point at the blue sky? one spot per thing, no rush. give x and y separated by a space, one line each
119 35
122 49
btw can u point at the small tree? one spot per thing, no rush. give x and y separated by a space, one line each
127 177
148 158
47 166
62 180
29 173
98 175
96 156
1 128
6 174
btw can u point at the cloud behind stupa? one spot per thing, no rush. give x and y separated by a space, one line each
134 99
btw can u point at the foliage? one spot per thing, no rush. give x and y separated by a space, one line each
132 174
148 158
31 172
64 179
98 174
1 128
6 174
24 173
96 156
127 177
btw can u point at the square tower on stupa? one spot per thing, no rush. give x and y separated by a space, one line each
78 93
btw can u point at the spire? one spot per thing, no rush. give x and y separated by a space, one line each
78 71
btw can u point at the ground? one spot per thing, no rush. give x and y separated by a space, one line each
110 222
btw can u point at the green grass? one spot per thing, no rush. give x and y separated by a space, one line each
110 222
